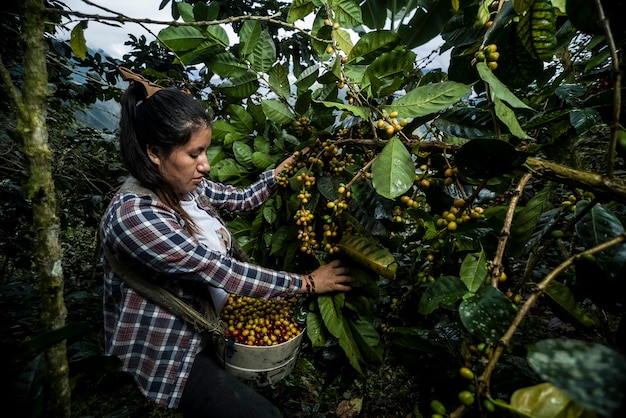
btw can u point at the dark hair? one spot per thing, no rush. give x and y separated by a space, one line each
163 122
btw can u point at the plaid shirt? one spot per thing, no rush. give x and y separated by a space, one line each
157 348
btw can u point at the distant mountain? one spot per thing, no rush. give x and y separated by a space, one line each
100 115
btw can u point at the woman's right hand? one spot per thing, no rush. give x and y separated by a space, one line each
331 277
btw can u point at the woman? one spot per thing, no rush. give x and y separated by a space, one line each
160 221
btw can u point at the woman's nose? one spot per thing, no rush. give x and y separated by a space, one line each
203 165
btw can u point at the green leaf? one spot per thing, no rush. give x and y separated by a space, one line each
386 74
219 35
371 44
262 160
444 291
498 89
221 128
369 253
525 222
263 55
487 314
343 41
277 111
307 78
314 329
279 82
347 13
592 374
186 11
243 153
299 9
429 99
507 116
249 34
181 38
331 307
77 40
362 112
584 119
240 119
393 172
227 170
563 297
598 226
225 64
240 87
269 213
545 401
474 271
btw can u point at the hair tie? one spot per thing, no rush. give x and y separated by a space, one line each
149 87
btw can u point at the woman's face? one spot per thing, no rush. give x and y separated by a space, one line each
185 167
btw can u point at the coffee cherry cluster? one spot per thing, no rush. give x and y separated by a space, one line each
457 214
259 322
489 55
392 125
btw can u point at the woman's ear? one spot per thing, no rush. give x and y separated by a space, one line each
152 155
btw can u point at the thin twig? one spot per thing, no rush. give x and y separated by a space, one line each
506 230
617 89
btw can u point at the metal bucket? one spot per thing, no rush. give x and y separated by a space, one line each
260 365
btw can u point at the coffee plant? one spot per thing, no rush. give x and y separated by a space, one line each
479 206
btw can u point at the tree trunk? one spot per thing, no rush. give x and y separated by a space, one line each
40 188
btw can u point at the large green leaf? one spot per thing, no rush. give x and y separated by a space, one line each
218 35
592 374
386 74
315 329
393 172
362 112
498 89
240 119
263 55
525 222
279 82
429 99
343 41
181 38
444 291
545 401
371 44
299 9
487 314
249 35
243 153
331 307
563 297
221 128
277 111
466 123
226 65
506 115
474 271
240 87
367 252
598 226
262 160
347 13
307 78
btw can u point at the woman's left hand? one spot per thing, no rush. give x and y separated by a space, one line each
291 160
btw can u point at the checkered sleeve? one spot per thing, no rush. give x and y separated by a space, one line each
153 234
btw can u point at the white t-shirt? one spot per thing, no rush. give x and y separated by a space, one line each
213 235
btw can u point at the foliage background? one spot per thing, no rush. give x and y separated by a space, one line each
411 323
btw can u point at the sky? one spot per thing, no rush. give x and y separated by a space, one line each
111 39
